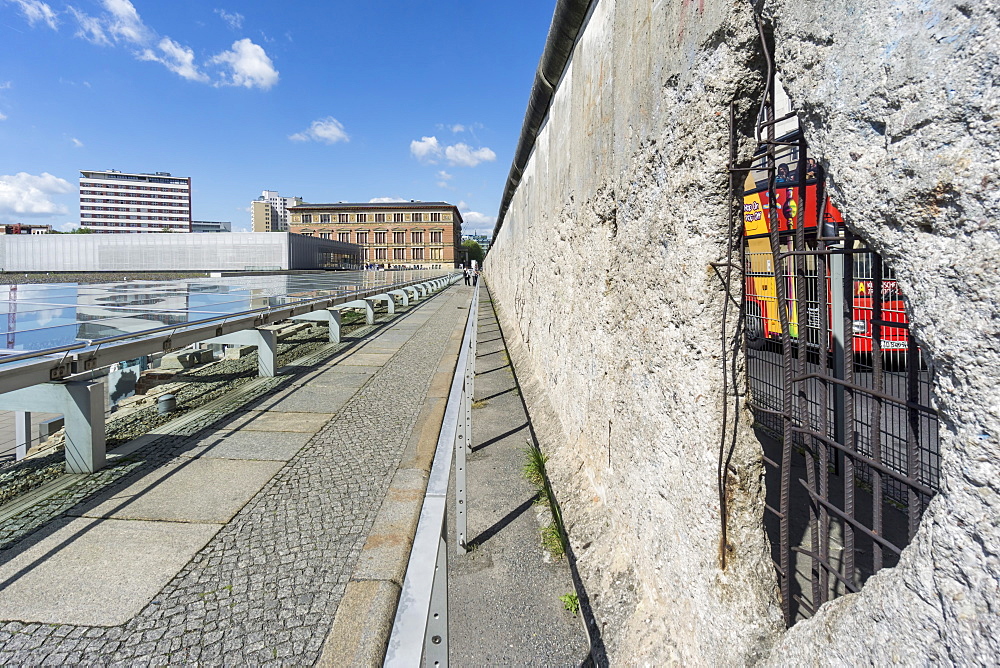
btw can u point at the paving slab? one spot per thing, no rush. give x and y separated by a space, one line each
366 359
382 347
309 399
95 572
308 423
188 490
264 445
337 376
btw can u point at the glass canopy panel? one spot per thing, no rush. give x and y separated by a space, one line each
43 316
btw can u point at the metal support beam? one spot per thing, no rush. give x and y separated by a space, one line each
22 434
266 341
403 297
82 405
366 305
390 304
412 291
330 316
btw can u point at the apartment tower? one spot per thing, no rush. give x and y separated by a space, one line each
121 202
269 212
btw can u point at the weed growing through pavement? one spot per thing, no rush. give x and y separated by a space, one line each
552 541
480 403
534 466
571 602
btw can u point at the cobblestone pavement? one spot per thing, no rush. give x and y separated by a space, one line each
265 589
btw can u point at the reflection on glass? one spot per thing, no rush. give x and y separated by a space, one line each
43 316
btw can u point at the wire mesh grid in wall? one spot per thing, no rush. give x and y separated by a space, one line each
839 390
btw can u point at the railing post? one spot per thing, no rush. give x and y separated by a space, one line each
436 639
22 434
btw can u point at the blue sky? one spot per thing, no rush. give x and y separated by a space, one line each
328 100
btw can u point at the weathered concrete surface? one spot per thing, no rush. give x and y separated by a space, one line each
602 276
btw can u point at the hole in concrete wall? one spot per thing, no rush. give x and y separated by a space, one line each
839 390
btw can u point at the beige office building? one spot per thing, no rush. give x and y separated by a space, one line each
269 212
402 235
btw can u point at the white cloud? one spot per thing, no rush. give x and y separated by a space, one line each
445 177
245 64
425 150
457 127
24 194
428 150
5 85
248 64
476 220
385 200
76 142
35 11
123 22
465 155
327 130
69 227
3 117
235 20
91 28
177 58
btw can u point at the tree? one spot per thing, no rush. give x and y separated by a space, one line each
474 250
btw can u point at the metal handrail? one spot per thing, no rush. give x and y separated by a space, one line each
420 628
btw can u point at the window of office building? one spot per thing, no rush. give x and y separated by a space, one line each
362 217
398 253
417 237
418 253
435 253
344 236
397 217
380 237
342 217
380 253
418 217
399 237
435 237
324 235
324 218
307 218
379 217
435 217
362 237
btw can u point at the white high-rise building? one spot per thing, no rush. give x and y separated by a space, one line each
268 213
122 202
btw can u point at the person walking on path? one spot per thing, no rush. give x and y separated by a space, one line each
475 276
467 272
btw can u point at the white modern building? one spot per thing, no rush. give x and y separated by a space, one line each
211 226
269 212
237 251
121 202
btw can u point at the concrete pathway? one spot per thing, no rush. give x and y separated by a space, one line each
504 595
230 535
